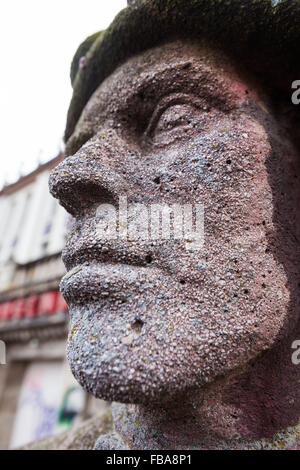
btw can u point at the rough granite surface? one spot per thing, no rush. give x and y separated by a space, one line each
187 102
198 344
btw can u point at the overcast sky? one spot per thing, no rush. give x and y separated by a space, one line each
37 42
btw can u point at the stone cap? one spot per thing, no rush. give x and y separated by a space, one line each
263 35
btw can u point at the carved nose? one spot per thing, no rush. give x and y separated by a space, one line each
79 181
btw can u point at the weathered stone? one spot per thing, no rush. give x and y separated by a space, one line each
208 364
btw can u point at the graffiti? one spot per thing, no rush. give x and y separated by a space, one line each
71 406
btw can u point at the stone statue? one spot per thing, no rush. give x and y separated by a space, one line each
187 103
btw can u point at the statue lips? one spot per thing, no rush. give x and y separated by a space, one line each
113 251
103 273
98 281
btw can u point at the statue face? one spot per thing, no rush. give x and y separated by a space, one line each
150 319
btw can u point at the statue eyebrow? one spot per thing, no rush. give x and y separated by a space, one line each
194 83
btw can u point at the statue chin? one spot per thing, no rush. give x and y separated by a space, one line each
120 351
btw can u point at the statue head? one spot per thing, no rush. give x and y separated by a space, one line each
173 108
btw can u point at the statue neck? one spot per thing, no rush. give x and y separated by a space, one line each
254 408
143 428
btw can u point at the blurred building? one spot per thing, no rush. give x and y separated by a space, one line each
38 395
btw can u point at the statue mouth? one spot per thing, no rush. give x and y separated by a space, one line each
98 282
111 252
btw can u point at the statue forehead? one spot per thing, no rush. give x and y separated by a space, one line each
185 58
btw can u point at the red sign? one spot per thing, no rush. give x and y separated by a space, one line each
31 305
18 308
47 303
5 310
61 304
36 305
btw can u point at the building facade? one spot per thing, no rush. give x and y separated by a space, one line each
38 395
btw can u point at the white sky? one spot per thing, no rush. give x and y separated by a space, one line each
37 42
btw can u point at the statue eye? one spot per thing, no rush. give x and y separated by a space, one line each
178 115
174 122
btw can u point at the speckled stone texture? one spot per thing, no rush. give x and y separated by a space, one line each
197 344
